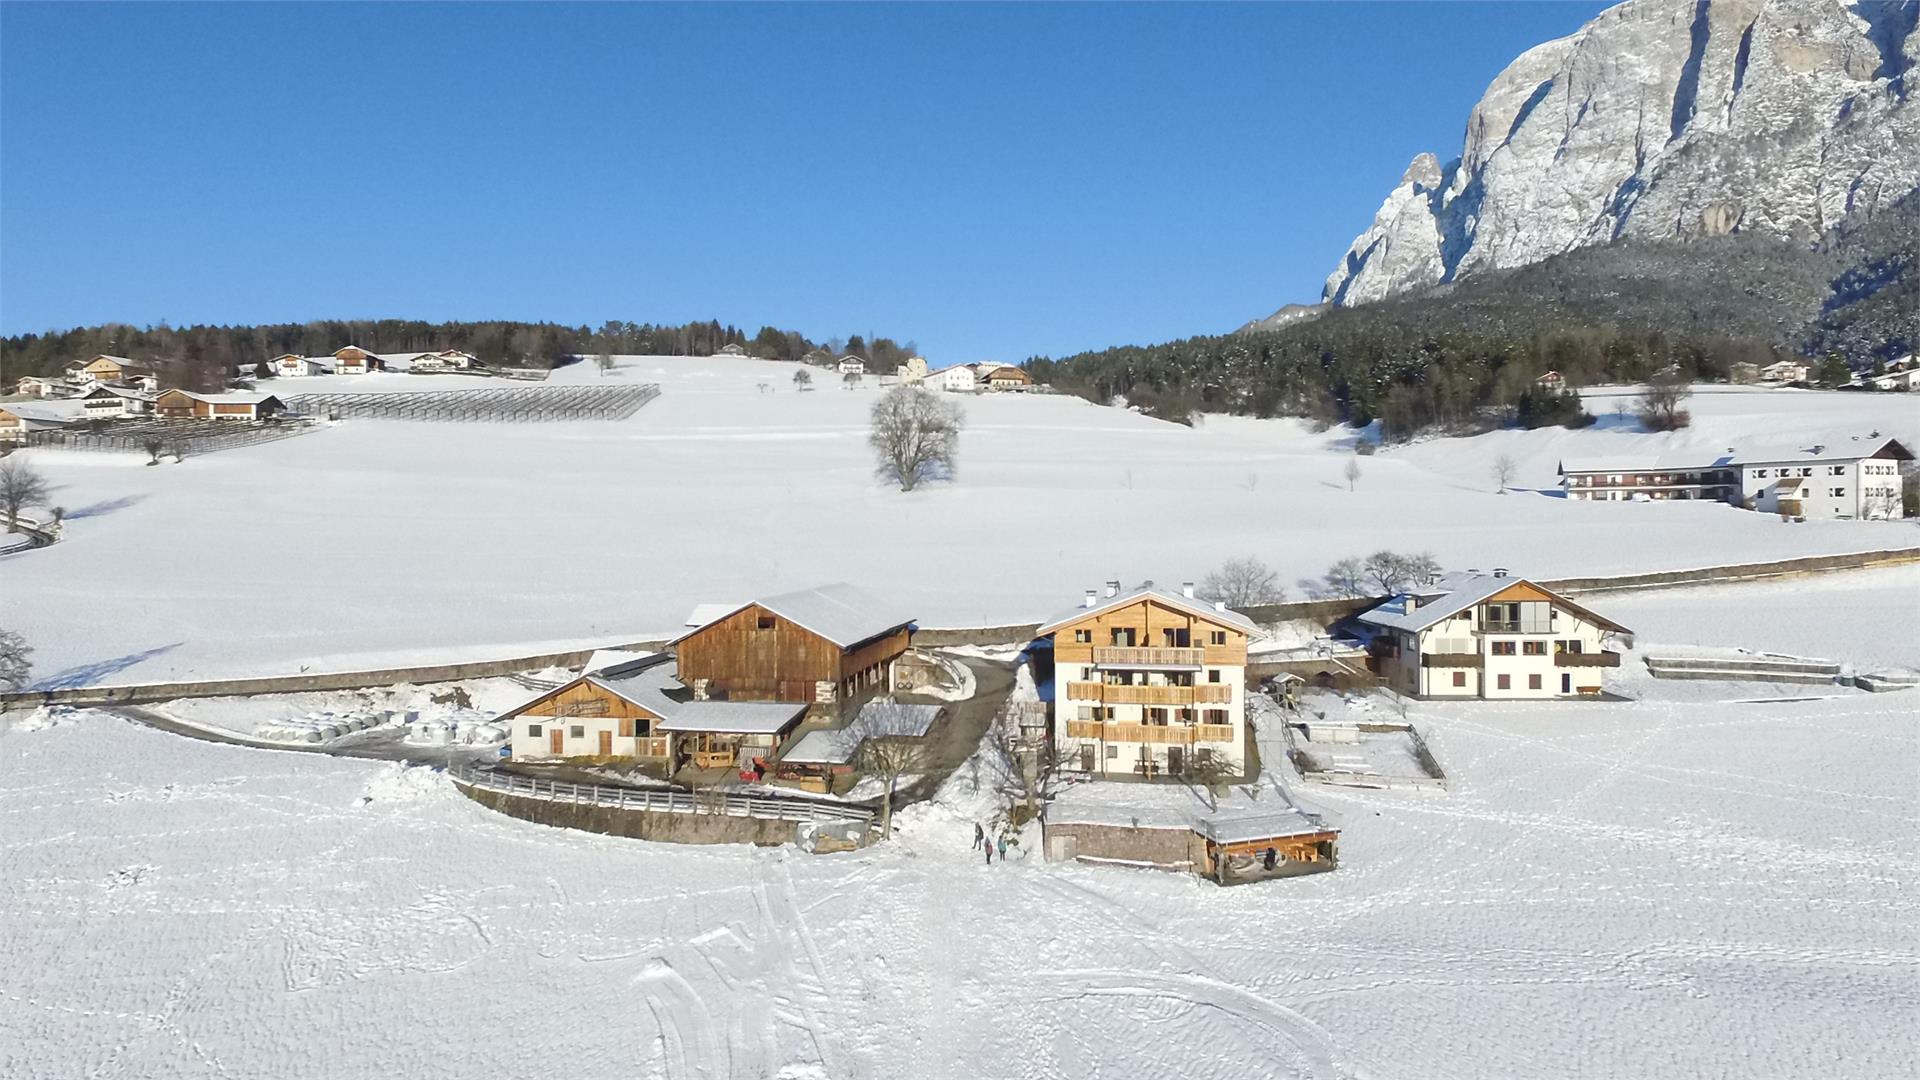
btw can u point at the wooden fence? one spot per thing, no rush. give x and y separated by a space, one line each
662 800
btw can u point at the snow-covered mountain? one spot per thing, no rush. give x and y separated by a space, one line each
1662 118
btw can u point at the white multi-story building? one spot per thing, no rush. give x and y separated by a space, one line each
1477 635
1149 683
294 366
959 379
1784 371
1847 477
109 402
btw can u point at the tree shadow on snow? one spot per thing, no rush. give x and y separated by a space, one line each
91 674
106 506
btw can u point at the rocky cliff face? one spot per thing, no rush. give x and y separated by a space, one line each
1662 118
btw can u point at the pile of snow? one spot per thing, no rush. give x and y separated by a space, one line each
396 782
39 719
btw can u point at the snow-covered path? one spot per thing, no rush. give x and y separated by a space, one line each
1660 888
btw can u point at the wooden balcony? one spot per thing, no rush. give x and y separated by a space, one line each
1127 656
1152 734
1590 659
1212 694
1109 694
1452 660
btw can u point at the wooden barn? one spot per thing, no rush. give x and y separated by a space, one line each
354 360
828 645
186 405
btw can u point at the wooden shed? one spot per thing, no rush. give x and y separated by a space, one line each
825 645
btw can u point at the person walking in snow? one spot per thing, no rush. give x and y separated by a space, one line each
1003 847
989 848
979 836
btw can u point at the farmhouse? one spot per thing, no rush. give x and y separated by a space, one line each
105 401
1847 477
186 405
1551 380
354 360
1784 371
829 645
913 372
446 360
1743 372
636 709
295 366
114 369
33 386
730 350
1149 683
18 419
1489 635
852 365
1906 378
1007 377
960 379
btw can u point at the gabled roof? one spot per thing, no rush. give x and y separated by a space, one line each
101 390
648 683
1456 593
1835 449
120 360
45 412
236 397
1197 608
840 613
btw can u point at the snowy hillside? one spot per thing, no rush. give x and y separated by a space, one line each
382 542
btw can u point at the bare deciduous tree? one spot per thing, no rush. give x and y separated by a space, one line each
604 362
1503 470
915 434
1661 406
1422 569
1242 582
15 660
1387 570
20 486
1347 578
891 746
803 379
1353 472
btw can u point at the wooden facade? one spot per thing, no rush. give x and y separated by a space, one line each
586 701
755 654
1160 633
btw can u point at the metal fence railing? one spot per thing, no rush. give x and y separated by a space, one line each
516 403
663 800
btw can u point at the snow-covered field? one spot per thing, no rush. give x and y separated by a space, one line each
1686 885
376 543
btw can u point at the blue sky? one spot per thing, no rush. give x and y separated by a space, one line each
990 181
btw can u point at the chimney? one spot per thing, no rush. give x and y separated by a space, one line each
1113 589
1088 602
1499 571
1219 605
1410 603
1186 589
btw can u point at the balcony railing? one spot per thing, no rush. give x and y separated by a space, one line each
1131 656
1452 660
1524 626
1116 694
1591 659
1153 734
1212 694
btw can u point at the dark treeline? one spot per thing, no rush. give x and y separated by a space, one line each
201 357
1464 355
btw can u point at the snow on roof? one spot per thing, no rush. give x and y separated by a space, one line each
824 746
702 614
235 397
733 717
840 613
1834 449
1200 608
1417 609
896 718
838 746
104 389
1237 818
57 412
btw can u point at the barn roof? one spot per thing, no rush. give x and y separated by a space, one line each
1806 451
840 613
1416 610
648 682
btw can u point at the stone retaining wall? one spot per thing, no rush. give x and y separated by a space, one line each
637 824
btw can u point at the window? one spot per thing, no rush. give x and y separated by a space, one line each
1534 648
1459 678
1533 682
1759 474
1838 470
1573 646
1083 637
765 623
1836 492
1217 637
1213 675
533 731
1502 648
578 732
1506 682
1112 752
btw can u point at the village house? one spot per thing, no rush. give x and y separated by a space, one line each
913 372
354 360
112 402
445 360
1785 371
1230 838
1551 380
295 366
730 350
241 405
1903 378
830 645
959 379
1007 377
34 386
635 708
18 419
112 369
1743 373
1149 683
852 365
1847 477
1488 635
